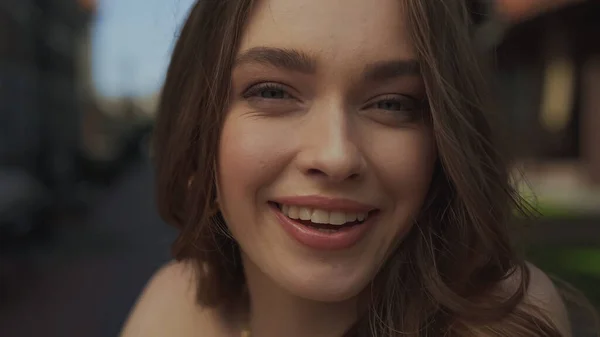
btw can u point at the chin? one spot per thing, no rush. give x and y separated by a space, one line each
324 283
330 276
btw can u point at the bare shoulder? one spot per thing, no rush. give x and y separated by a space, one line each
543 294
167 306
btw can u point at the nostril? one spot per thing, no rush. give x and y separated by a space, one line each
333 175
353 176
316 172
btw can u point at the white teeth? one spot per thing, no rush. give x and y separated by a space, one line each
292 212
304 213
361 216
337 218
320 216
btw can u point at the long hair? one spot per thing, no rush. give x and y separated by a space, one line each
444 277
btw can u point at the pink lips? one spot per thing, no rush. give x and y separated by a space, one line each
343 238
326 203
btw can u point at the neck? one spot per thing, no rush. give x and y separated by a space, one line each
274 312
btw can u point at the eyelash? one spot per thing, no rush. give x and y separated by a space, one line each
255 91
403 100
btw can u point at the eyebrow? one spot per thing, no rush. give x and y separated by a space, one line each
387 70
295 60
280 58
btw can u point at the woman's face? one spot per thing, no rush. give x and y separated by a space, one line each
324 159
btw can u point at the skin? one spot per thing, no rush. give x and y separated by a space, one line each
167 307
332 131
322 127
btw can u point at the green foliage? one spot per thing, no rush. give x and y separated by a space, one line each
579 266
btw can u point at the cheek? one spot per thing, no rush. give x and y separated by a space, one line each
406 160
250 154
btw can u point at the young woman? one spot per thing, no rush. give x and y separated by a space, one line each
333 173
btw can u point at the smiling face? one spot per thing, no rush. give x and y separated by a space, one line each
325 125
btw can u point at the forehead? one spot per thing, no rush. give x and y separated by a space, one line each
347 31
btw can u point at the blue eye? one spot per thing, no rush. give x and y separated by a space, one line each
395 104
390 105
272 94
395 109
270 91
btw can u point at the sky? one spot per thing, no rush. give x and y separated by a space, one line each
131 44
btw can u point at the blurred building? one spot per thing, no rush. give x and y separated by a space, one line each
19 84
45 59
62 25
40 110
549 71
112 129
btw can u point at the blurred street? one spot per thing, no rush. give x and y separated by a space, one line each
80 82
82 279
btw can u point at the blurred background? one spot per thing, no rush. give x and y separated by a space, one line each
79 80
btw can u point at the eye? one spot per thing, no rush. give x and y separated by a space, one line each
395 109
397 103
267 91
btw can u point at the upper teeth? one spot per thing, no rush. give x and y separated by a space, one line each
321 216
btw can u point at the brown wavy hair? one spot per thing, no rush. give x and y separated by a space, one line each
444 277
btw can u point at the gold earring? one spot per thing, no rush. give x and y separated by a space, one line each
190 182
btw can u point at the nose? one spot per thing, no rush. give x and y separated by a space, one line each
330 151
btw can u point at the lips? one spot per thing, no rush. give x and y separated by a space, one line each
322 216
324 223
